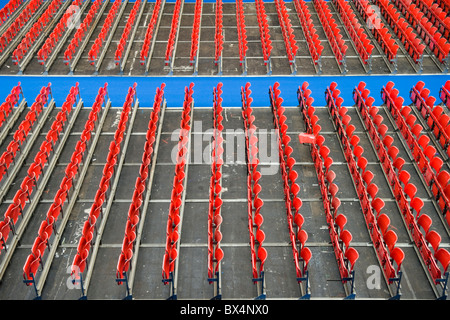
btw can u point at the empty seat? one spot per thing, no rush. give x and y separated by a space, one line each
425 222
352 256
390 237
443 256
346 237
398 256
306 255
218 255
434 239
417 205
341 220
383 222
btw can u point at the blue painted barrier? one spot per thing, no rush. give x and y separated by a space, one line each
174 91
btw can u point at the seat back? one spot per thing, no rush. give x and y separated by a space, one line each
352 256
398 255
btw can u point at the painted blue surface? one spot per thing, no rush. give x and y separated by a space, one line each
174 90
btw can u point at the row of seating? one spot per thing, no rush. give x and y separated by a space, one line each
436 15
81 31
126 32
367 190
403 30
445 5
403 189
135 209
426 30
195 31
9 8
18 23
378 29
310 32
149 33
264 32
298 235
332 31
346 256
392 164
444 94
286 30
178 185
173 32
36 168
99 41
218 32
11 101
35 31
439 45
437 120
54 37
24 128
254 202
242 32
215 252
424 155
90 226
56 209
359 37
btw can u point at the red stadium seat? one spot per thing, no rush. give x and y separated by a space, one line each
443 256
434 239
383 223
417 205
390 237
346 237
398 255
218 254
306 255
425 222
341 220
352 255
